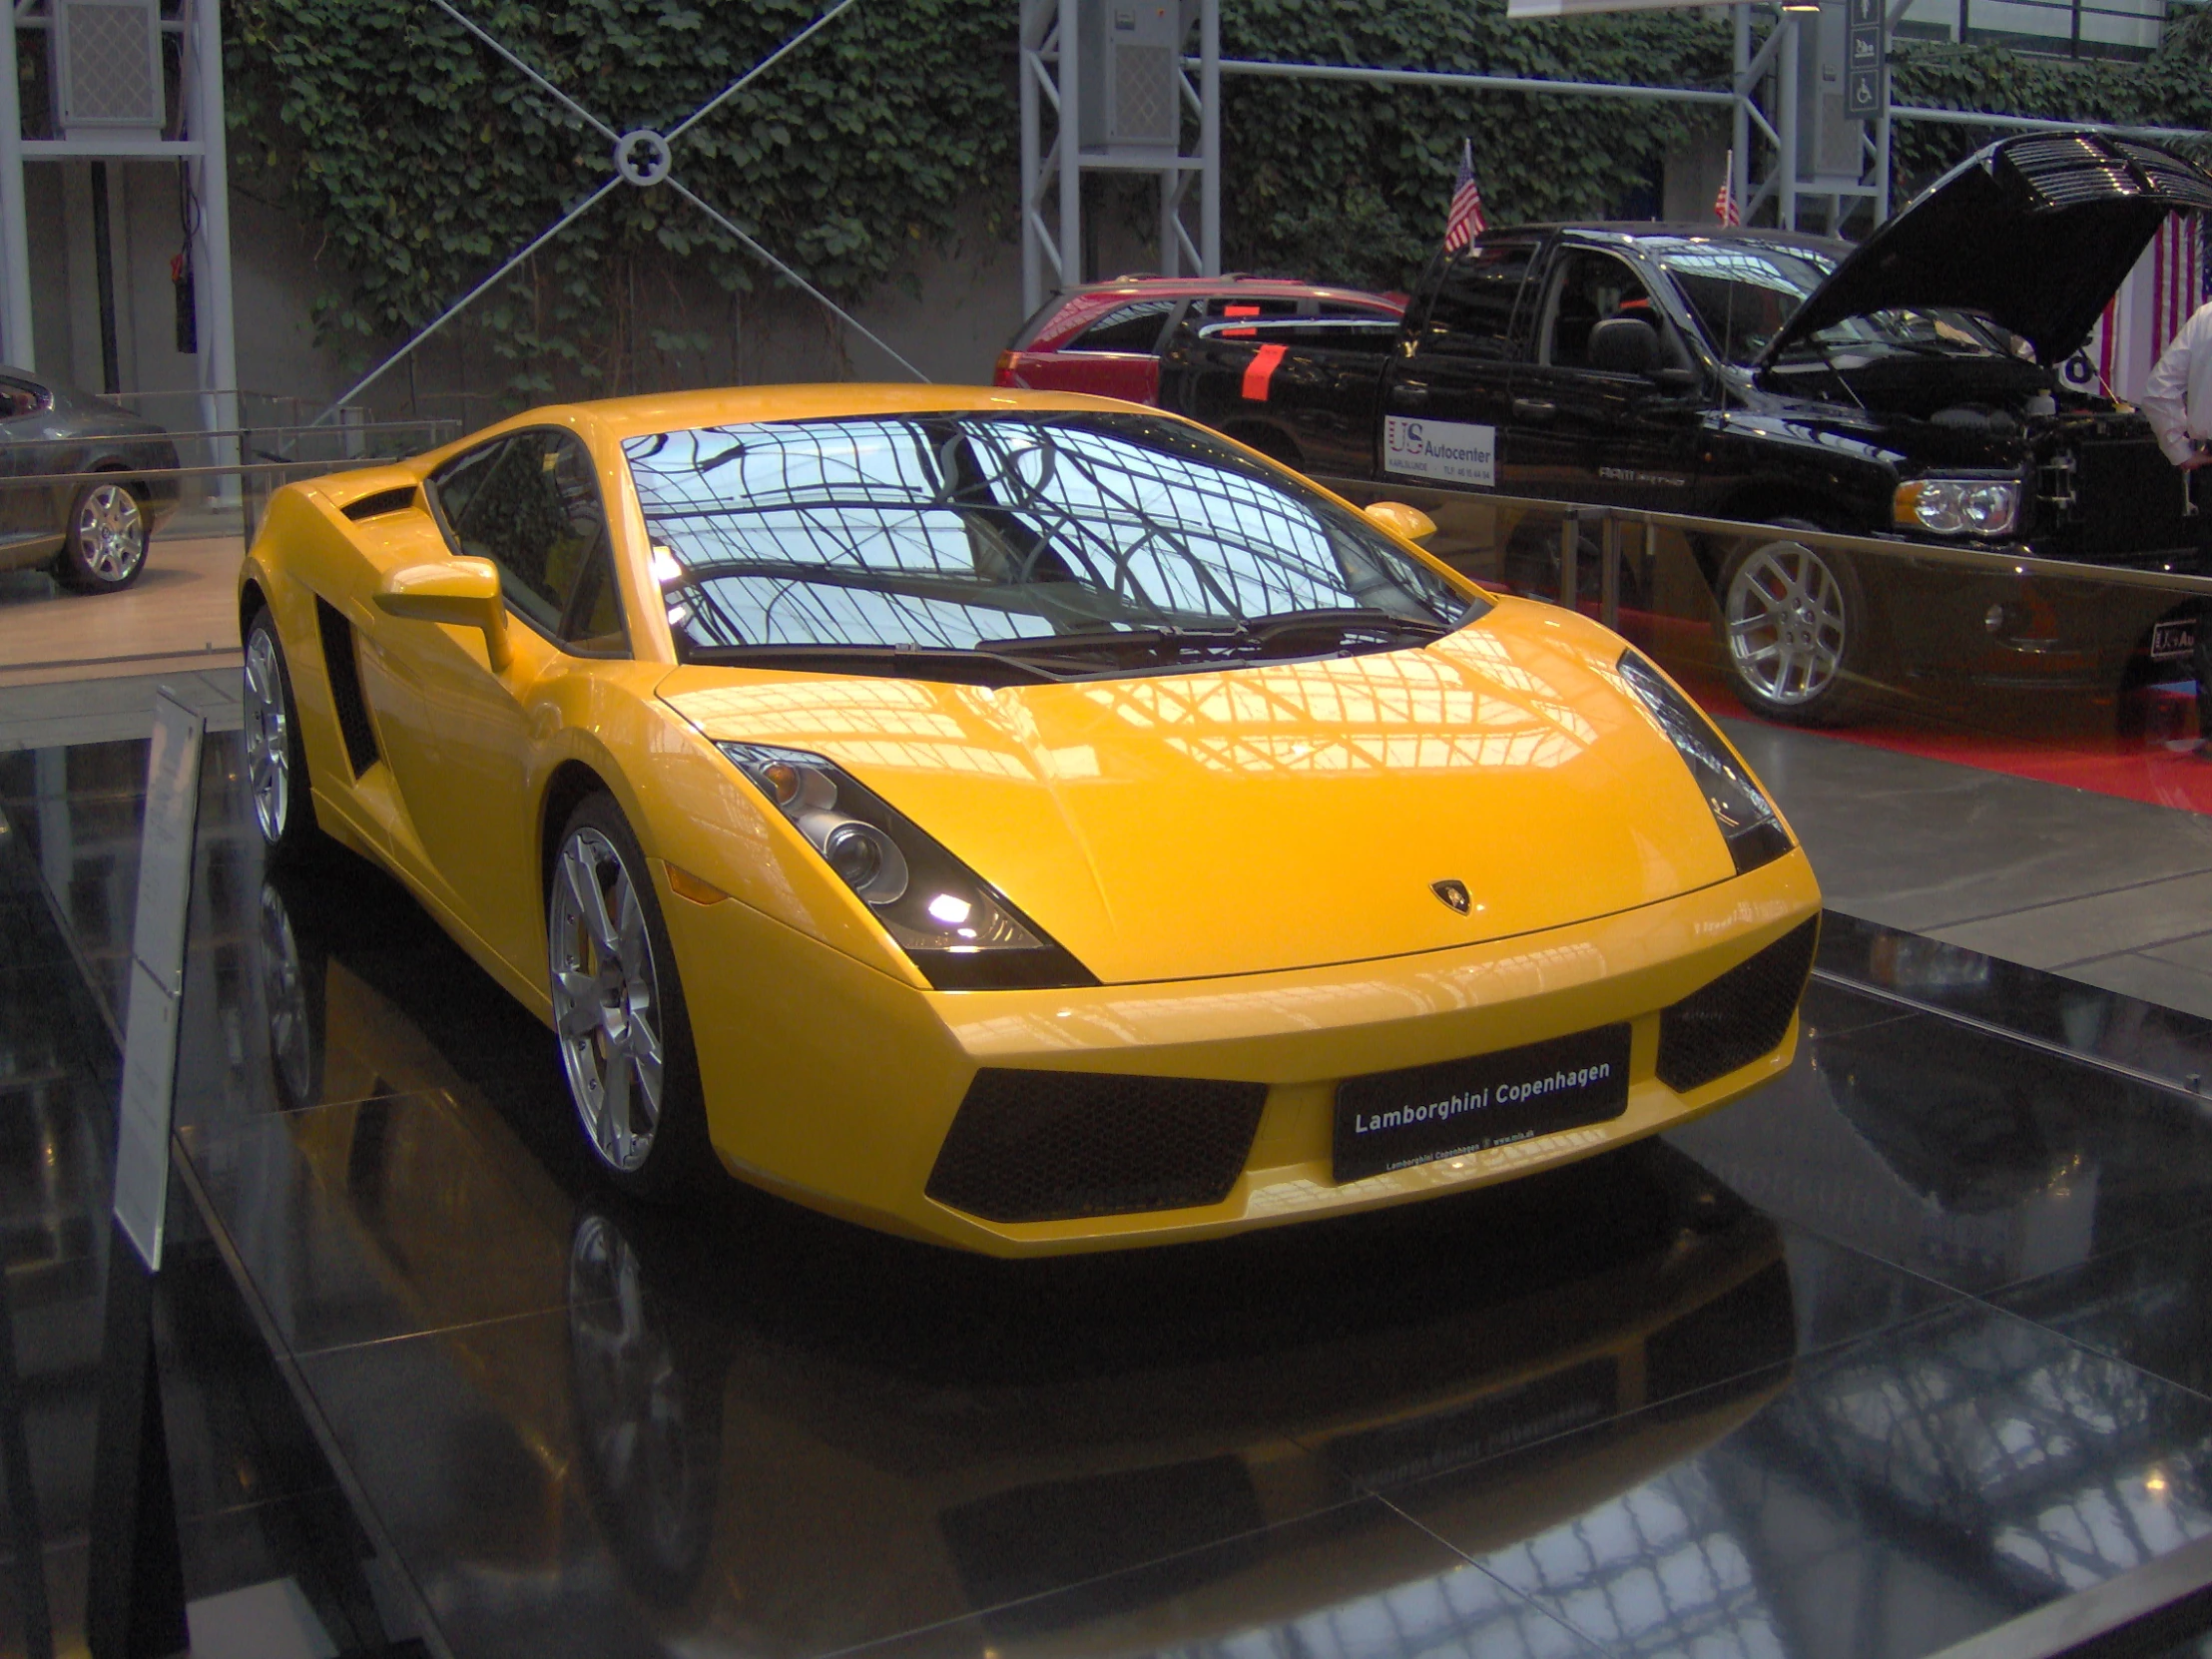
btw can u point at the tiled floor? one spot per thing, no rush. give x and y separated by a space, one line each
180 615
2113 893
1944 1367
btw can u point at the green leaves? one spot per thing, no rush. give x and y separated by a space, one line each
425 160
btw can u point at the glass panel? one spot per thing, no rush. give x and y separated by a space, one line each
1032 533
1132 328
529 503
1473 314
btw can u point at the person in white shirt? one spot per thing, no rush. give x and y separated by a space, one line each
2177 399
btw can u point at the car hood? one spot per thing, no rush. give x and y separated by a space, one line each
2036 233
1274 816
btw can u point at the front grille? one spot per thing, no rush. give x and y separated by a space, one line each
1739 1016
1057 1145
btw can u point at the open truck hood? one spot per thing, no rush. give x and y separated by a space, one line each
2036 233
1276 816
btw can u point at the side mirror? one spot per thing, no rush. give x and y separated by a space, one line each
1399 519
1624 346
464 593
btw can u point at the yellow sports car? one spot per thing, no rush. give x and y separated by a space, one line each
1025 821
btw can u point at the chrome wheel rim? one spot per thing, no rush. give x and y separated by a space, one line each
268 737
1786 624
606 1000
111 532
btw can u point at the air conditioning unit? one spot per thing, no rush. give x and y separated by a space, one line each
1130 86
107 66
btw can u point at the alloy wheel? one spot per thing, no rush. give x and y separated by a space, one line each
111 533
283 990
1787 624
268 737
606 1000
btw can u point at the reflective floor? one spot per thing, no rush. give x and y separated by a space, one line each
1912 1343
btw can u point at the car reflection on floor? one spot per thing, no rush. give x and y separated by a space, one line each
759 1419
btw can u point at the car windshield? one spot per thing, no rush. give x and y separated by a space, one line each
1070 542
1743 291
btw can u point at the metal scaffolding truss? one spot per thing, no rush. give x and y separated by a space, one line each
195 137
1779 164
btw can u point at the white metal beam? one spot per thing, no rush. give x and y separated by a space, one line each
16 344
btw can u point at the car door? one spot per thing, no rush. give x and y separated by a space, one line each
30 514
1447 395
531 504
1578 433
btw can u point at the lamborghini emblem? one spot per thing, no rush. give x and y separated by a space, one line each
1454 894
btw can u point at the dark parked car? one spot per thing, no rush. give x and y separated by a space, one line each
1105 338
1911 387
93 533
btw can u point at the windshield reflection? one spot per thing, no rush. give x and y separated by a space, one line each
1026 534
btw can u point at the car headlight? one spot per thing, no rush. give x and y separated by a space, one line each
1959 506
1740 807
964 934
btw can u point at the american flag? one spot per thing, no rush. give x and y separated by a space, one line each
2162 291
1724 204
1464 221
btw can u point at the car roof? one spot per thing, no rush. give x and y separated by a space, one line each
1185 288
640 416
1647 229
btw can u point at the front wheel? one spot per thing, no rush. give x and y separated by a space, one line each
1794 629
618 1009
276 755
106 542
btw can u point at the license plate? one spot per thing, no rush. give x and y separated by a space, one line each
1396 1119
2173 639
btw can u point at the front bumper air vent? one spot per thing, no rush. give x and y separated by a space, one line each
1060 1145
1739 1016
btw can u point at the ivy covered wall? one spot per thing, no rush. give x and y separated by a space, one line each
418 160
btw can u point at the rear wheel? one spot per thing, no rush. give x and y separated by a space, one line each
618 1009
275 757
1795 630
108 533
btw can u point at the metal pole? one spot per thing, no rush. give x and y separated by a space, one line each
1570 547
1785 94
15 233
1030 66
1209 134
1171 246
1609 573
1070 79
219 362
1739 121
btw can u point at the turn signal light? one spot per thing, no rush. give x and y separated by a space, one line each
1005 373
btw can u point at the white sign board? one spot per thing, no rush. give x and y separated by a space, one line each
1448 451
156 976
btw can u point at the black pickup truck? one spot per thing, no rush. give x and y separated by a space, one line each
1917 387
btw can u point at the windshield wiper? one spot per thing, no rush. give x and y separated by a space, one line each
1255 640
1167 643
1346 620
882 662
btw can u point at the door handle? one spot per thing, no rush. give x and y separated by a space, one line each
1412 395
1530 409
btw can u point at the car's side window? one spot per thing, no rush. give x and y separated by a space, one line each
530 503
1590 288
18 400
1472 314
1132 328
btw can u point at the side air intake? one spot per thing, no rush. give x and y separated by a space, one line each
381 503
345 686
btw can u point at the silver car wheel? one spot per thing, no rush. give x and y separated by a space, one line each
111 533
268 737
284 989
606 1000
1786 623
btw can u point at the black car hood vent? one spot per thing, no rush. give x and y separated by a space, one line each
2036 233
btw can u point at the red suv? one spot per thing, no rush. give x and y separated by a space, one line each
1105 338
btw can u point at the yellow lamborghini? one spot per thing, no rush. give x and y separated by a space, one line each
1025 821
